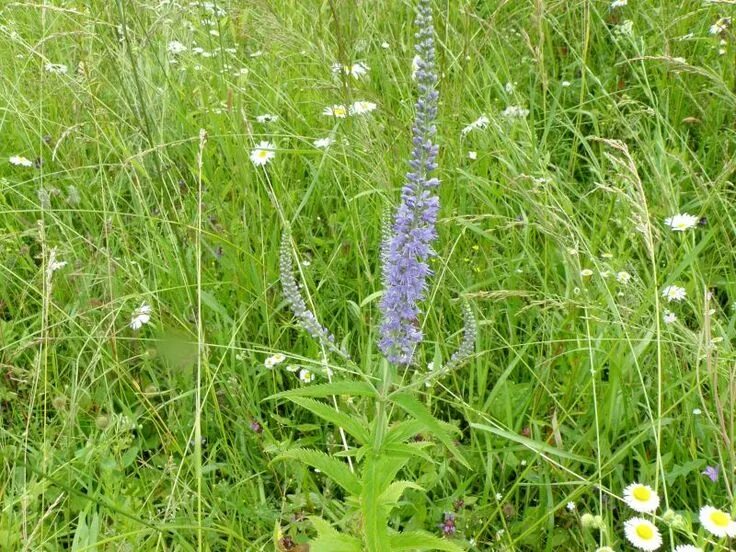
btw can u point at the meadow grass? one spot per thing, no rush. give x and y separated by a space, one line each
161 438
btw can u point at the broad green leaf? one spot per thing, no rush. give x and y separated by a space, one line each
351 388
375 522
354 427
338 471
536 446
419 540
416 409
330 540
392 495
410 449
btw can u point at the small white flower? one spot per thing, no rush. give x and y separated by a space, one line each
717 522
499 497
515 112
473 155
140 316
669 317
510 87
324 143
20 161
681 222
175 47
267 118
618 3
214 32
697 411
624 29
274 360
480 123
623 277
257 53
571 506
361 107
338 111
306 376
720 26
585 273
688 548
357 70
415 66
641 498
57 68
385 45
566 84
674 293
262 154
643 534
292 368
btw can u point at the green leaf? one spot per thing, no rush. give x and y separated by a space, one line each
419 540
375 522
537 446
416 409
354 427
329 540
338 471
351 388
392 495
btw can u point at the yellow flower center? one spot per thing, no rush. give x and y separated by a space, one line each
644 531
340 111
721 519
642 493
263 154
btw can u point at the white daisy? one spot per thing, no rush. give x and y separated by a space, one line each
175 47
681 222
140 316
571 506
697 411
623 277
20 161
324 143
357 70
669 317
385 45
566 84
473 155
267 118
643 534
618 3
292 368
338 111
585 273
57 68
515 112
274 360
717 522
674 293
641 498
361 107
480 123
688 548
262 154
306 376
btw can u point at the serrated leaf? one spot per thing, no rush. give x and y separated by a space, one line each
375 523
339 419
351 388
338 471
330 540
392 495
419 540
417 410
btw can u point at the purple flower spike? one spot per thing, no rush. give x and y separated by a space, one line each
711 472
448 525
407 250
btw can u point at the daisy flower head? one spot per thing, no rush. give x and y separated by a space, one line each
362 107
324 143
306 376
357 70
717 522
643 534
140 316
262 154
687 548
267 118
274 360
472 155
480 123
681 222
338 111
618 4
674 293
175 47
20 161
570 506
669 317
641 498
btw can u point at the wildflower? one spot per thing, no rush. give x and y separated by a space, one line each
717 522
618 4
175 47
448 524
262 154
585 273
688 548
56 68
480 123
415 66
324 143
624 29
407 251
140 316
681 222
256 427
669 317
20 161
467 346
361 107
515 112
306 376
267 118
274 360
337 111
711 472
356 70
385 45
473 155
566 84
720 26
643 534
509 87
292 368
674 293
499 497
570 506
697 411
641 498
590 521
